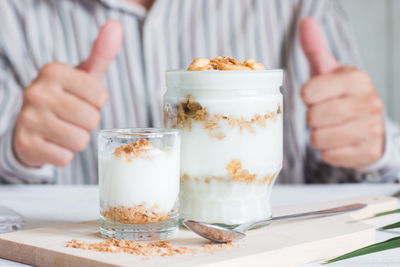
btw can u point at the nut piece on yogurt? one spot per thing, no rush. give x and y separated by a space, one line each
224 63
253 64
200 64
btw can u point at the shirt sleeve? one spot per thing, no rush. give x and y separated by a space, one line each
387 168
340 39
11 170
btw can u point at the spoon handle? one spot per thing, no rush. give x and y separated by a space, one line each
312 214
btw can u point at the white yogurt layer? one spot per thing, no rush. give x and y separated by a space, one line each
152 179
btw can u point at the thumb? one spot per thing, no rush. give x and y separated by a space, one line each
105 49
312 41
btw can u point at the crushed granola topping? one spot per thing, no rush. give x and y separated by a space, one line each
138 214
133 150
279 111
185 176
224 63
215 247
268 179
160 248
218 179
234 169
190 111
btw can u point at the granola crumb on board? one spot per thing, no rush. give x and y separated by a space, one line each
159 248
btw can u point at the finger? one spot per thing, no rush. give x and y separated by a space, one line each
74 110
105 49
340 110
354 156
53 154
66 135
350 133
312 41
345 81
59 132
37 151
73 81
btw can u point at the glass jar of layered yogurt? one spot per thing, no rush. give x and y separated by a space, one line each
139 183
229 115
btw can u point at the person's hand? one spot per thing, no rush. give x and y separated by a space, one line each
63 104
344 109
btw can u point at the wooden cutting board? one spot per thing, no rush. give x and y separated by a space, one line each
279 244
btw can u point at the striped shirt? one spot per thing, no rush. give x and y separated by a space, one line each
169 36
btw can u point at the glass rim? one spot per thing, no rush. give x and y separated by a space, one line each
238 80
139 132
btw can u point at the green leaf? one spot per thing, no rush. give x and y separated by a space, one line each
386 213
390 226
385 245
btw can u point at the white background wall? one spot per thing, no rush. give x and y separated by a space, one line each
376 25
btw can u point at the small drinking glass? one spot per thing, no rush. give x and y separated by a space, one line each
139 183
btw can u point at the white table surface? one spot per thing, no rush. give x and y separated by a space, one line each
50 205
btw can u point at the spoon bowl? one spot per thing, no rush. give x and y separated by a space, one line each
221 234
214 233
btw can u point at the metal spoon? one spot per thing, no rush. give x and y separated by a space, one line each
221 234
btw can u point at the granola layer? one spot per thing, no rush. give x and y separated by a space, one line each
138 214
190 111
236 174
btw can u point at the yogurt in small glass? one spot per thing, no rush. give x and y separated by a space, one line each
230 120
139 183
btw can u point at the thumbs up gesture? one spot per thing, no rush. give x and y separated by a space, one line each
344 109
63 104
